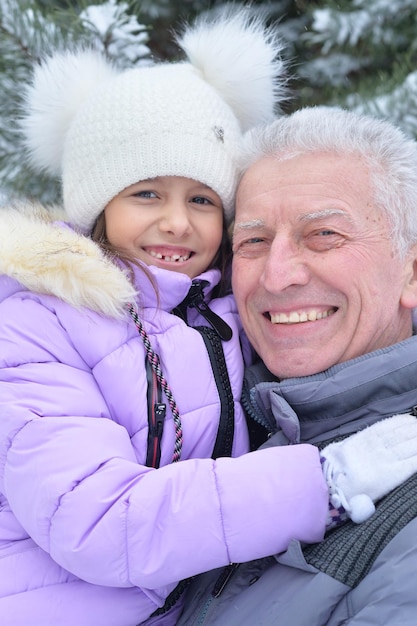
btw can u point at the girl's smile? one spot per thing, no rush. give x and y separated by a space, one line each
172 222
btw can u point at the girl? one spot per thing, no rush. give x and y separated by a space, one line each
120 352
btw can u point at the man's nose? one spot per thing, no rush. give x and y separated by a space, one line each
285 265
175 219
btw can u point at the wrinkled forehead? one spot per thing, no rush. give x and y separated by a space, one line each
311 182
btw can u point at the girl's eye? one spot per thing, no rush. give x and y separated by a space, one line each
145 194
201 200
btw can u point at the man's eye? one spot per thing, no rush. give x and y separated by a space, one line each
255 240
250 242
326 232
324 239
247 247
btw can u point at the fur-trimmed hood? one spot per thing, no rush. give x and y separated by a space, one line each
47 257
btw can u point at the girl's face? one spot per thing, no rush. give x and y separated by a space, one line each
172 222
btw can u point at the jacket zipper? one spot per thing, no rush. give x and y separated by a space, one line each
256 416
156 418
216 592
195 299
224 440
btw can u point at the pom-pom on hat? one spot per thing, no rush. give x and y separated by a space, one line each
102 129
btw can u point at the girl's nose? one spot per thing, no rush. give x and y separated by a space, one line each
175 219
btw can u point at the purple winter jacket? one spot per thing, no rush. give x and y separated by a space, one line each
89 535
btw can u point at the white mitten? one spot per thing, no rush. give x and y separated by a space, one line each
367 465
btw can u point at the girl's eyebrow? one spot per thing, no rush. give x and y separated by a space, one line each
318 215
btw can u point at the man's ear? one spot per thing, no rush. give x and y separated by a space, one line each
409 293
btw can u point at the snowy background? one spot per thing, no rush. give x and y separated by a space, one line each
361 54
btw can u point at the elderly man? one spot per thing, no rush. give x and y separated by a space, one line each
325 276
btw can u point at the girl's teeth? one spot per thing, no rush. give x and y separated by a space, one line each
174 258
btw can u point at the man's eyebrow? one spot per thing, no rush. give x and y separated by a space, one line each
306 217
256 223
319 215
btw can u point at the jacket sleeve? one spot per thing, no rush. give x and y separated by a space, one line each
74 484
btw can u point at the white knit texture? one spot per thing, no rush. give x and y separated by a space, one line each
103 129
155 121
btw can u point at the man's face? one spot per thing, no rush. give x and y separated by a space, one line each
314 273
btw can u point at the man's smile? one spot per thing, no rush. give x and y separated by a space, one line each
297 317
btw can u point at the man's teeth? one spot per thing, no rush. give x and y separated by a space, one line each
174 257
295 318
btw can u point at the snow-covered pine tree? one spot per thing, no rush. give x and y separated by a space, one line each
361 54
128 30
27 32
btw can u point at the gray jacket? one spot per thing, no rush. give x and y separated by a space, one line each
361 575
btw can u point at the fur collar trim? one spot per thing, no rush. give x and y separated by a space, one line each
49 258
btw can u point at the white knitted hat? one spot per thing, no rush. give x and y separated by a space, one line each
102 129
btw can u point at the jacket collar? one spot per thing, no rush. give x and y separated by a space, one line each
339 400
46 256
171 287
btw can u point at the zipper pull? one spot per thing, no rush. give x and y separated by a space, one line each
156 429
196 300
223 579
160 413
222 329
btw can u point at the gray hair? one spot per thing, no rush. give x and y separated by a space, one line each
390 155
